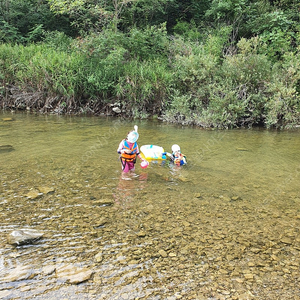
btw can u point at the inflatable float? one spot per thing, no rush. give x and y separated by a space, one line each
152 152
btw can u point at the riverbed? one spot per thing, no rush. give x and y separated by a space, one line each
224 226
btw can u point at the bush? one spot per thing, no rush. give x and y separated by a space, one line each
144 88
185 81
283 106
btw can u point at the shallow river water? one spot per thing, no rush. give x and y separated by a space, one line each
225 226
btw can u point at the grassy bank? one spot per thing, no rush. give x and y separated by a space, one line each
148 73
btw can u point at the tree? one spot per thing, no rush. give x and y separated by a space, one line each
26 20
92 14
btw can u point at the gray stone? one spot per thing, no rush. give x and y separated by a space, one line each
24 236
117 110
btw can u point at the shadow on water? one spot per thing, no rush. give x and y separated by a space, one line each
225 226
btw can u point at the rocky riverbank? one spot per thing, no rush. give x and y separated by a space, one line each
16 99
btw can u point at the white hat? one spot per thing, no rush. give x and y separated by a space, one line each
175 148
132 136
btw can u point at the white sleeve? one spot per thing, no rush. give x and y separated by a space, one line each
121 146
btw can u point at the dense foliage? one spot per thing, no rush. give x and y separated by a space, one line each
218 63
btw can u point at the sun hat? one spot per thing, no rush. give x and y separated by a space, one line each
175 148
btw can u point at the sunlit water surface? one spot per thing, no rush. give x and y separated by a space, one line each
225 226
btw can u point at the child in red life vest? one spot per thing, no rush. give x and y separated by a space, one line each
129 150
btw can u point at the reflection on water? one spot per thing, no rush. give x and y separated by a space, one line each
128 187
225 226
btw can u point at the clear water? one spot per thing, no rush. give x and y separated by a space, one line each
193 232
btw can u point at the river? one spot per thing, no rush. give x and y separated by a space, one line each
224 226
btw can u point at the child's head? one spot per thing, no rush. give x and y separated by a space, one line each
175 149
132 136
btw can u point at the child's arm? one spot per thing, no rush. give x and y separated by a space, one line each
120 148
138 154
169 155
140 157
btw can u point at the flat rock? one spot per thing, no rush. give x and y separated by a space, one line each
286 240
33 194
103 202
6 148
24 236
20 273
46 190
73 274
141 234
248 276
5 293
48 270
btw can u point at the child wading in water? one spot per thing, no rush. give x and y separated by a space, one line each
129 150
177 157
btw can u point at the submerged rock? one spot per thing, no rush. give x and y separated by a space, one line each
104 202
46 190
73 274
33 194
24 236
162 253
48 270
235 198
6 148
99 257
20 273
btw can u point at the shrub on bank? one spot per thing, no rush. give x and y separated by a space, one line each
188 82
243 90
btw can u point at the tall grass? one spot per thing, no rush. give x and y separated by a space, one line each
144 87
183 81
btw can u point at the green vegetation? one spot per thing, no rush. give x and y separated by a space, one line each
212 63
